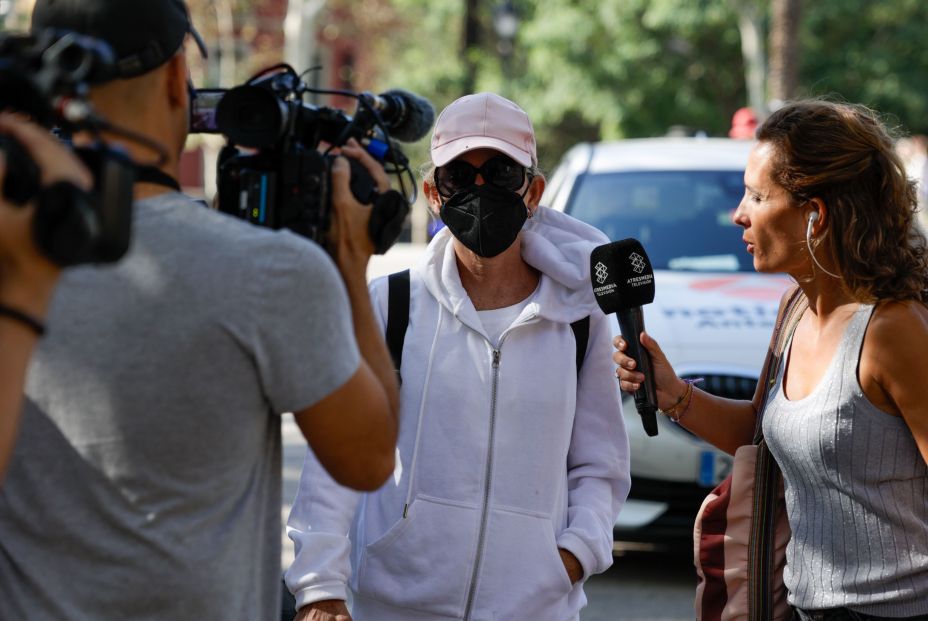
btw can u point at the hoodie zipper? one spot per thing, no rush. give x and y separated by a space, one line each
481 536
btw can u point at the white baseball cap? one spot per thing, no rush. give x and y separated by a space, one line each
483 120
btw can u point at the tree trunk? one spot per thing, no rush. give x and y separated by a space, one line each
300 32
783 79
752 50
225 26
469 45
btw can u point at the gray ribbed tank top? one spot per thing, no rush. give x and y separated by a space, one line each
856 490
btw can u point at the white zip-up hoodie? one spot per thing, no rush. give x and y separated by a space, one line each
503 456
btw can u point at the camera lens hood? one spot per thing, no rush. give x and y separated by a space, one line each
252 116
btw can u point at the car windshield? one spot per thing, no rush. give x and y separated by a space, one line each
683 218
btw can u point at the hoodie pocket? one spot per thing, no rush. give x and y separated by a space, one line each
523 576
424 561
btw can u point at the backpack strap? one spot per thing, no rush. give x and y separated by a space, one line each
398 322
581 329
397 317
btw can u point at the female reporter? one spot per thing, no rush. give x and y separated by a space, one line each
827 201
27 279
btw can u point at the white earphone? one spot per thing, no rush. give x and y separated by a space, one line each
813 218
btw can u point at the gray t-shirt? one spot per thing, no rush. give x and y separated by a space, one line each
145 483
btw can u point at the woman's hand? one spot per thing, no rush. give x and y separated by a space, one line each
571 565
326 610
669 387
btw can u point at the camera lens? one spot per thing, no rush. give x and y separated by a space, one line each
252 116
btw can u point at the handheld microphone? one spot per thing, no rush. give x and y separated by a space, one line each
408 116
623 281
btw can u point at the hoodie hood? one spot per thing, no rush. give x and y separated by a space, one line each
554 243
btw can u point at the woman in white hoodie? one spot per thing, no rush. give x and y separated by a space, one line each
512 461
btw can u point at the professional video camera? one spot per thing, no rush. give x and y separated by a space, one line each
46 75
272 172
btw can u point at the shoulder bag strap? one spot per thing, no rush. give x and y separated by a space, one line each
786 323
763 578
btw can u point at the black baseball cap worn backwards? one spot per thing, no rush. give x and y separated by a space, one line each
144 34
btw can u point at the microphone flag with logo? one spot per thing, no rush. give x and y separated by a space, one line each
623 282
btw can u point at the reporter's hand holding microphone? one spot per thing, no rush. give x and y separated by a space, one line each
623 281
671 390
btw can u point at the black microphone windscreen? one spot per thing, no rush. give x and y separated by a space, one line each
621 275
418 119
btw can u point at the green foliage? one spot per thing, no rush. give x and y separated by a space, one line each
869 52
583 70
604 69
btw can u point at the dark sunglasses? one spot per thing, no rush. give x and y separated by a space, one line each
500 171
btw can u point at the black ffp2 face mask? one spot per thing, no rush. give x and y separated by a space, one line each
485 218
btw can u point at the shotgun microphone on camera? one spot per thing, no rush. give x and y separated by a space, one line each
407 116
623 281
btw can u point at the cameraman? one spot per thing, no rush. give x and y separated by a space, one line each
146 479
26 277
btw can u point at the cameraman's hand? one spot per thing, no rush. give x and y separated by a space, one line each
27 277
328 610
353 430
349 234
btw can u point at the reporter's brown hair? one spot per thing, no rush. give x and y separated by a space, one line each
843 154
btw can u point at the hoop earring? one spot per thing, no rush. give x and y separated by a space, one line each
809 246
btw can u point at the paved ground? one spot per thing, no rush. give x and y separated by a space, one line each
294 449
643 587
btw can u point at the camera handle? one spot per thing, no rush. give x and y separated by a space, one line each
388 209
71 226
387 219
21 179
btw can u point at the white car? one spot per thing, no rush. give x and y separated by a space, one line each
712 314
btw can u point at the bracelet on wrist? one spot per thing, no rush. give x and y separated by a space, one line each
686 400
36 326
671 412
678 417
676 403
